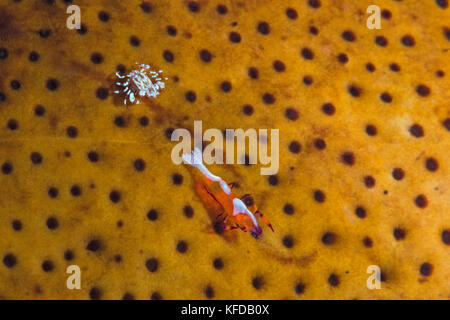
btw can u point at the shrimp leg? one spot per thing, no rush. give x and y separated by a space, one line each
264 219
224 217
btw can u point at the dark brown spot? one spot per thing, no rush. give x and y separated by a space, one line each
75 190
247 109
168 133
288 241
319 196
333 280
263 28
182 246
171 31
394 67
152 215
446 32
421 201
273 180
370 67
53 192
288 209
218 263
135 41
307 54
39 110
348 35
52 84
367 242
193 6
329 238
15 85
168 56
381 41
399 234
369 181
68 255
314 3
152 264
320 144
416 130
9 260
205 55
426 269
308 80
348 158
156 296
44 33
12 124
226 86
299 288
279 66
440 73
442 3
188 211
423 90
120 121
209 292
94 245
95 294
3 53
291 13
52 223
222 9
268 98
328 108
16 225
102 93
431 164
386 97
408 41
371 130
114 196
445 236
7 168
48 266
143 121
291 114
83 29
295 147
360 212
354 91
139 164
103 16
190 96
234 37
146 6
313 30
96 58
258 282
342 58
253 73
128 296
92 156
386 14
177 179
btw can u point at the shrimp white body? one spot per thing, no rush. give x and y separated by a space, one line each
195 159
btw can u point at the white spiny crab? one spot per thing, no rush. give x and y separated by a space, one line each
139 83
